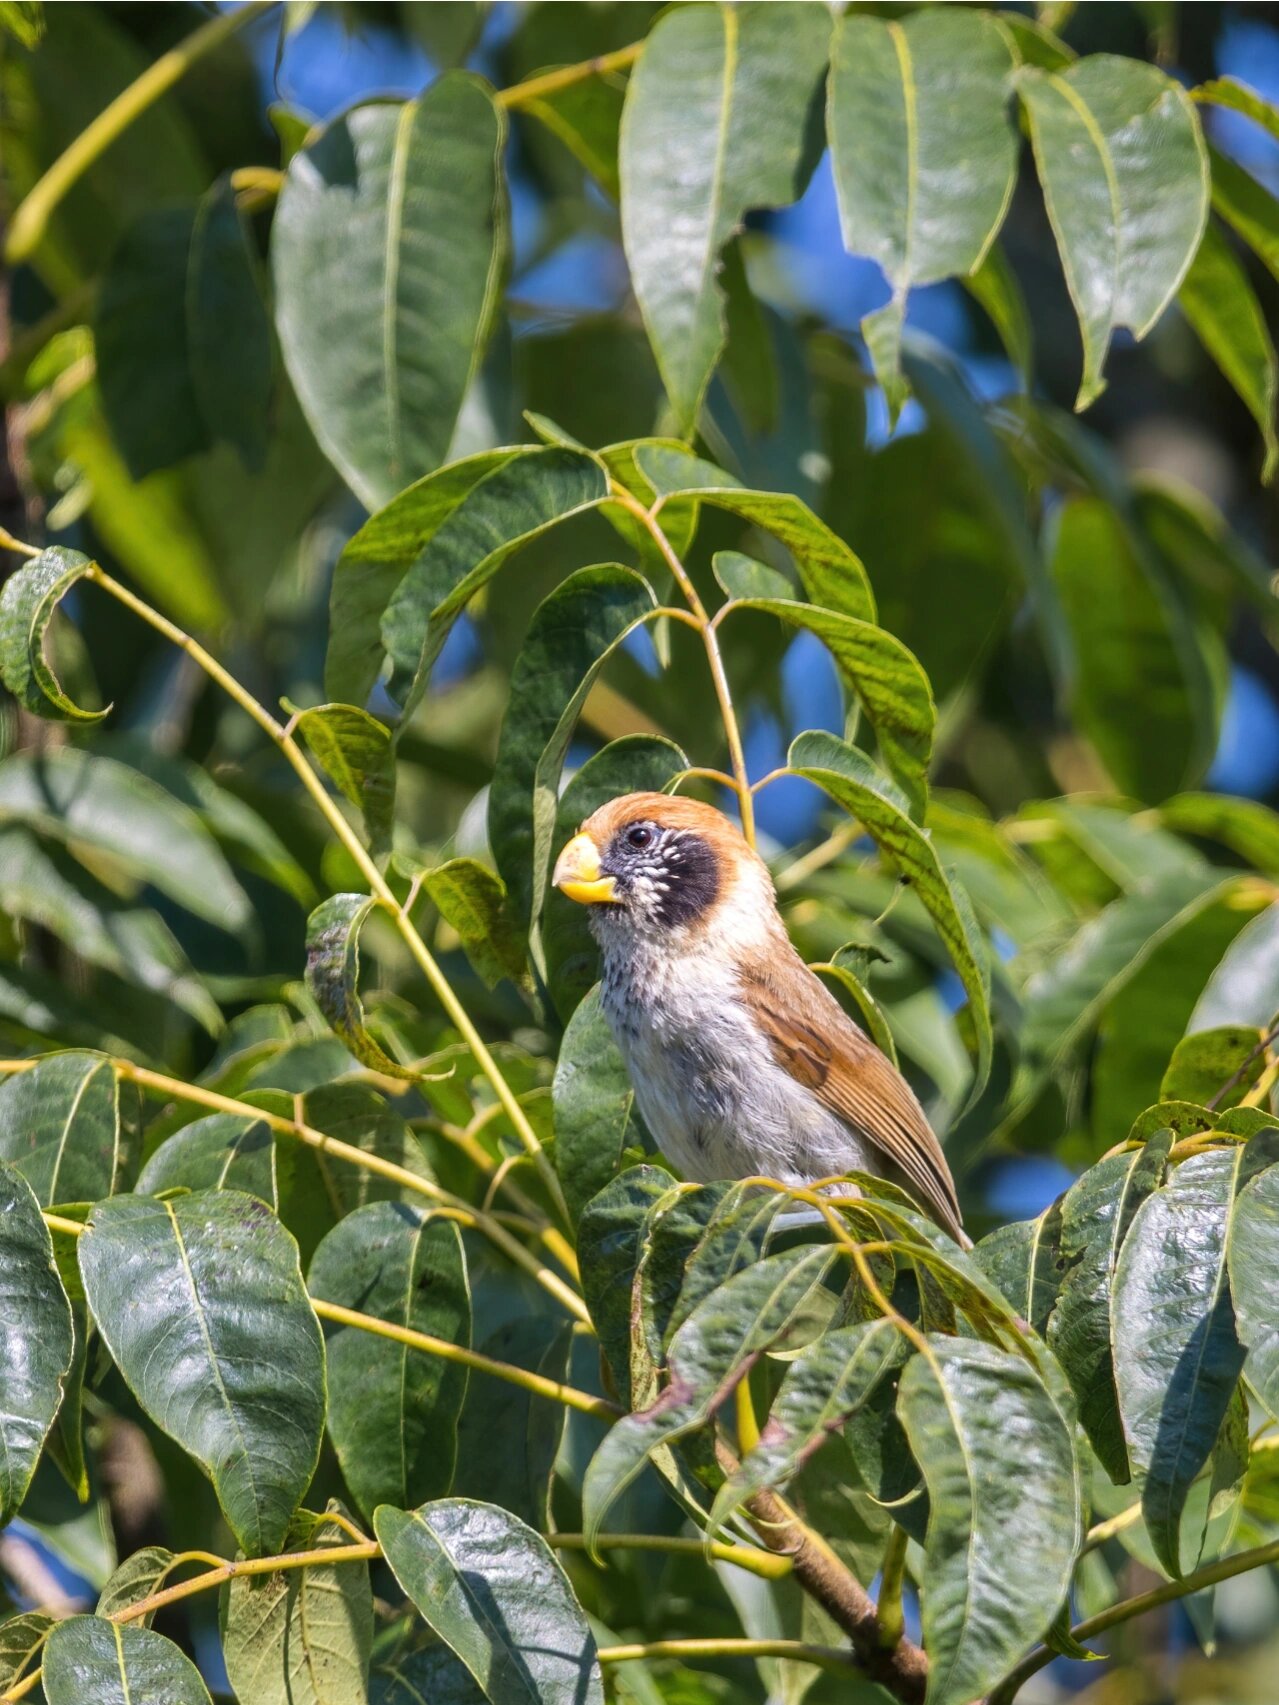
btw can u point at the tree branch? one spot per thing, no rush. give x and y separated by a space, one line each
551 82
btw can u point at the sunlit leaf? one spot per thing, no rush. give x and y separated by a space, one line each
28 601
1218 299
355 751
66 1125
224 1151
35 1338
117 1664
1244 989
1252 1242
474 901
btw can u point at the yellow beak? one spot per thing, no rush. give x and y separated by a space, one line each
577 873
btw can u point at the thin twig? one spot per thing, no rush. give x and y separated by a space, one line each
551 82
1242 1072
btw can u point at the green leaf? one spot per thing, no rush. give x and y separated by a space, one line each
1025 1261
433 1674
393 1411
224 1151
1125 179
182 342
833 575
1247 827
716 122
1251 1245
27 603
36 1338
491 1589
885 677
226 1356
333 977
114 1664
137 1578
1177 1356
594 1106
21 1638
514 503
98 803
637 763
741 576
869 1013
1203 1064
1244 989
996 288
509 1438
1000 1547
62 1126
1036 44
301 1636
1096 1213
568 641
609 1250
825 1384
1230 93
853 782
1249 209
471 898
356 752
24 21
711 1352
924 153
388 252
587 118
1218 299
1127 625
376 560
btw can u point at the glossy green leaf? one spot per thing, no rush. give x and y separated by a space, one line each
594 1105
333 977
885 677
224 1151
35 1338
709 1354
827 1382
302 1636
1000 1547
1025 1260
924 152
97 802
833 575
637 763
376 560
1214 1068
1252 1241
117 1664
853 782
568 641
433 1674
470 897
393 1411
514 503
491 1589
1177 1356
609 1250
63 1127
227 1358
1218 299
1125 178
716 122
27 603
1244 989
388 252
1096 1213
355 751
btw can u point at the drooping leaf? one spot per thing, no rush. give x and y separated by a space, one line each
850 779
63 1127
112 1663
1125 178
27 603
301 1636
1177 1356
35 1338
393 1411
1218 299
923 177
355 751
637 763
885 677
491 1589
712 1350
568 641
869 1013
333 977
1000 1547
1252 1240
227 1357
515 502
1096 1213
1244 989
224 1151
470 897
594 1106
716 122
388 251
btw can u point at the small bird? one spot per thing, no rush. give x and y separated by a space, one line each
742 1061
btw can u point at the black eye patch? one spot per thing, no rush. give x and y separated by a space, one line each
691 873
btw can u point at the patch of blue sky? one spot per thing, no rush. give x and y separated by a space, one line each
1022 1186
1247 756
1247 48
791 809
585 275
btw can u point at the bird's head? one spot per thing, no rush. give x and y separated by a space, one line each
656 865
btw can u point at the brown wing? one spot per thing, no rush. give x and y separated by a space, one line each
814 1039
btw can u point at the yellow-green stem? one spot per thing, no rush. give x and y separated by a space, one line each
551 82
826 1657
368 869
31 218
769 1565
891 1578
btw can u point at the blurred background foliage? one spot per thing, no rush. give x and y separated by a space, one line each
1105 784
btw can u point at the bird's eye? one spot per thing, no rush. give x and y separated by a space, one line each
639 837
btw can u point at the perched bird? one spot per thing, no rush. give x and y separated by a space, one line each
742 1061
